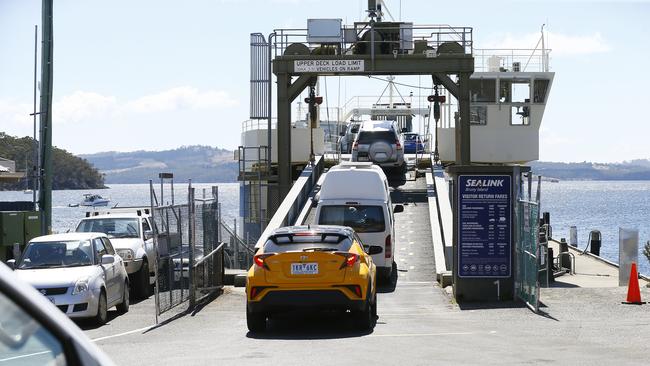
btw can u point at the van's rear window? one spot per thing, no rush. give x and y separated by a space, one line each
363 219
368 137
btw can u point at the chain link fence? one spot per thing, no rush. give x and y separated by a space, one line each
191 256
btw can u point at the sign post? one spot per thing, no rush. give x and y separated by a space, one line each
484 233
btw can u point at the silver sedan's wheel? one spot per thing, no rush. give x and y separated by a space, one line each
102 310
123 307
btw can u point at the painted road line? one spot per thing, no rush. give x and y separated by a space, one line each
422 334
123 334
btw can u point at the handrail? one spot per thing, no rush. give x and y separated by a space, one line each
293 203
200 261
237 238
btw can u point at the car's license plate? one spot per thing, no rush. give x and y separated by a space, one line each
304 268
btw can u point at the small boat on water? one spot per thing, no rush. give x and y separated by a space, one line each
94 200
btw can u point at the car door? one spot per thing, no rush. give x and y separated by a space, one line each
109 270
148 242
119 272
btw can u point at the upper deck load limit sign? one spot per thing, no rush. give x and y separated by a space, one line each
328 66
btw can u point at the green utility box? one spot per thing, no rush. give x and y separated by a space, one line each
32 220
11 232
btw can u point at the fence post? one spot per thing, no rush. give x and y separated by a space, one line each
235 244
191 239
155 245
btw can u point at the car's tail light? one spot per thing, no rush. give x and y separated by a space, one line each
350 259
355 145
259 259
398 146
256 290
389 247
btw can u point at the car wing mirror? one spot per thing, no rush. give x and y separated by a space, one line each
374 249
398 209
108 259
11 264
148 234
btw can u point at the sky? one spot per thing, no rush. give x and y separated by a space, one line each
154 75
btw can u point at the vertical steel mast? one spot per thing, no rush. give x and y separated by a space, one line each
47 48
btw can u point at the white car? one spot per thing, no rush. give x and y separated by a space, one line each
33 332
131 234
78 272
365 206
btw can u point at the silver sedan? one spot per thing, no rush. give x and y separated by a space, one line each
78 272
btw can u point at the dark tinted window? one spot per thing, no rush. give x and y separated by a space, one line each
368 137
363 219
284 244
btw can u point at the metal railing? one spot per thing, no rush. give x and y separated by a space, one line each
209 273
427 35
504 59
295 200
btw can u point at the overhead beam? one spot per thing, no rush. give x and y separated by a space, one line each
300 84
449 84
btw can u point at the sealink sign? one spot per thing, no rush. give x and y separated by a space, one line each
484 226
484 183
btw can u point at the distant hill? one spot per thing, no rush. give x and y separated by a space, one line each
629 170
202 164
70 172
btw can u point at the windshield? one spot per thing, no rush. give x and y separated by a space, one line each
57 254
296 243
368 137
363 219
410 137
114 228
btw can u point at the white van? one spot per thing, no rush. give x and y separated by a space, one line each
357 195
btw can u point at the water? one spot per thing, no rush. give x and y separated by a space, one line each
600 205
65 218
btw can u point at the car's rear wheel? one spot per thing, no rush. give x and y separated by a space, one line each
256 321
102 310
123 307
366 317
142 281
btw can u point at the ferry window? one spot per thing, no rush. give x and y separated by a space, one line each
540 86
483 90
520 116
520 92
478 115
504 91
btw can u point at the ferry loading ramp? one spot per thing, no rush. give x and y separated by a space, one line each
418 324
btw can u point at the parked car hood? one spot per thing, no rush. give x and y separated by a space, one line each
126 243
54 277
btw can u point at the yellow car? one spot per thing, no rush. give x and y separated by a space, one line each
322 267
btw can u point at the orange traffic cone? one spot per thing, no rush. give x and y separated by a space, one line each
633 292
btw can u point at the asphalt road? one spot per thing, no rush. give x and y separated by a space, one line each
418 324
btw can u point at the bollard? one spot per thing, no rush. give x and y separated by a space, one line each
573 236
595 242
565 259
551 278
